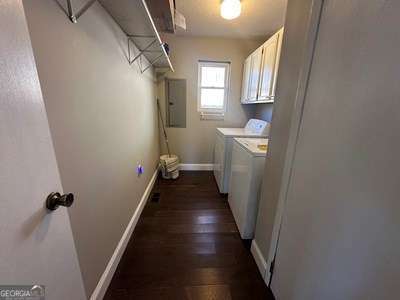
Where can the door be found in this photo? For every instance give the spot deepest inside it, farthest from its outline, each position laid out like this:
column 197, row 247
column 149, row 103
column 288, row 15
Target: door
column 255, row 69
column 37, row 247
column 340, row 231
column 268, row 68
column 176, row 103
column 246, row 79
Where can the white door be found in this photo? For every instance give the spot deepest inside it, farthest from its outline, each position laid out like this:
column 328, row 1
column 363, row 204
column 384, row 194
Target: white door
column 37, row 247
column 246, row 79
column 269, row 58
column 255, row 69
column 340, row 231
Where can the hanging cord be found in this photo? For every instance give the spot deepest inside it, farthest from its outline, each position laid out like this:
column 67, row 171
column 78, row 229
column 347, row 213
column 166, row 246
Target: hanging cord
column 162, row 123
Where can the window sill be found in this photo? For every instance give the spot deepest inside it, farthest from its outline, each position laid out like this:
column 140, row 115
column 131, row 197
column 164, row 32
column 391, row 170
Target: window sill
column 212, row 116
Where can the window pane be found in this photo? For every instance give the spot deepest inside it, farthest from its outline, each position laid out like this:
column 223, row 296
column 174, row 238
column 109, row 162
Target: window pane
column 213, row 76
column 212, row 98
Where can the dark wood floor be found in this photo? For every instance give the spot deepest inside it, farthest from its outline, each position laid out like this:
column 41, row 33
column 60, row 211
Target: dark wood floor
column 186, row 246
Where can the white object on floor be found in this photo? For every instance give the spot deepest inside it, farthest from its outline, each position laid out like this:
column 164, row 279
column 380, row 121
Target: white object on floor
column 246, row 176
column 169, row 166
column 223, row 148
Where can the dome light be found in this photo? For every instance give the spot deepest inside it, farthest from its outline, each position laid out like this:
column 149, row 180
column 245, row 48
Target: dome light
column 230, row 9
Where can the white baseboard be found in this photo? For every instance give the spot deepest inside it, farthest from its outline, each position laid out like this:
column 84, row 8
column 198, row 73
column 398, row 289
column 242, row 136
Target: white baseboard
column 105, row 279
column 260, row 260
column 196, row 167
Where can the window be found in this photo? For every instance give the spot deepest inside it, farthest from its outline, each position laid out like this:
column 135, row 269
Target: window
column 213, row 86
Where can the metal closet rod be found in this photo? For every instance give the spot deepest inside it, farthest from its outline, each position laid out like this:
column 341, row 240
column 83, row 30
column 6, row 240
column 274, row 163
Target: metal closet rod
column 142, row 36
column 74, row 17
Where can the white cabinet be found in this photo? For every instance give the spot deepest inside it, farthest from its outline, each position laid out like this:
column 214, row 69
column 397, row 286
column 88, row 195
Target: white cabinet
column 255, row 72
column 265, row 89
column 260, row 71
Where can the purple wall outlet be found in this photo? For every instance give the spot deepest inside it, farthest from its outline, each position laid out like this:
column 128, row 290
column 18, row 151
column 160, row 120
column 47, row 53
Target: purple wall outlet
column 139, row 169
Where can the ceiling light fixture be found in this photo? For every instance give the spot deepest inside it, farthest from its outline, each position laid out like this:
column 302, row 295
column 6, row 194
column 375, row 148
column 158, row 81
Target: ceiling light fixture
column 230, row 9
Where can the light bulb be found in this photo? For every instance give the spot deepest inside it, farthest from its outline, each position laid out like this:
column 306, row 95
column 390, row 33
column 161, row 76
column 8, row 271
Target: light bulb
column 230, row 9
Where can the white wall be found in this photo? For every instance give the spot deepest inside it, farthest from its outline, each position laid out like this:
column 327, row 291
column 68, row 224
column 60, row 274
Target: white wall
column 195, row 143
column 340, row 232
column 264, row 111
column 103, row 121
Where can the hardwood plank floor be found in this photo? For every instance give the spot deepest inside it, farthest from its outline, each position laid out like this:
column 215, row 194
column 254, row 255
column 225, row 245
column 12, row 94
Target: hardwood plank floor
column 186, row 246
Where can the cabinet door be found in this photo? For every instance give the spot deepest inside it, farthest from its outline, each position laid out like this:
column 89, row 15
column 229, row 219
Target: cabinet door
column 279, row 35
column 268, row 69
column 246, row 79
column 255, row 70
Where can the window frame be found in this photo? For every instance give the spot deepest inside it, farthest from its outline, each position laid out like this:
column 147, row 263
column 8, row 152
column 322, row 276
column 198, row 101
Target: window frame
column 227, row 66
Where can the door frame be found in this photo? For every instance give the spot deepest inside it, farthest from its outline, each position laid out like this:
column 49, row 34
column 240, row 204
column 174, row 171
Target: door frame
column 296, row 121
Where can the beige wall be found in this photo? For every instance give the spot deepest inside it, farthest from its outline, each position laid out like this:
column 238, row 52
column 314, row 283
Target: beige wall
column 264, row 111
column 195, row 143
column 102, row 119
column 289, row 72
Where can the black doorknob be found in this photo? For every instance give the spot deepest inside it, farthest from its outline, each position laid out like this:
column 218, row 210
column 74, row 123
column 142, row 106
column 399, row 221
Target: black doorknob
column 54, row 200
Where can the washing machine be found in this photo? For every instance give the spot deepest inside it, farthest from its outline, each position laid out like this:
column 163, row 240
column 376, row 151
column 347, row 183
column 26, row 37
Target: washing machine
column 223, row 148
column 248, row 161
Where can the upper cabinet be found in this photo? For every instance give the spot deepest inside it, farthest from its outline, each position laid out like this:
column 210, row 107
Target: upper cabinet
column 260, row 71
column 268, row 67
column 255, row 73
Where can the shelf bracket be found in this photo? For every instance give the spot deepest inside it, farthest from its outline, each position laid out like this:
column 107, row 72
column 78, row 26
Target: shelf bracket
column 75, row 16
column 152, row 63
column 141, row 51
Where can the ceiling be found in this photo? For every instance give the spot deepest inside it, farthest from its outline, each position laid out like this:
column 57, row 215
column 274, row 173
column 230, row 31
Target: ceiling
column 259, row 18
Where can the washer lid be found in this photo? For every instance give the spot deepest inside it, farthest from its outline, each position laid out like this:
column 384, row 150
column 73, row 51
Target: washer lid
column 252, row 145
column 257, row 126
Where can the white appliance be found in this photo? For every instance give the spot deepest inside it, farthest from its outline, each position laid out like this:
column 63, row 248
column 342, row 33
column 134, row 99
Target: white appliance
column 223, row 148
column 247, row 170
